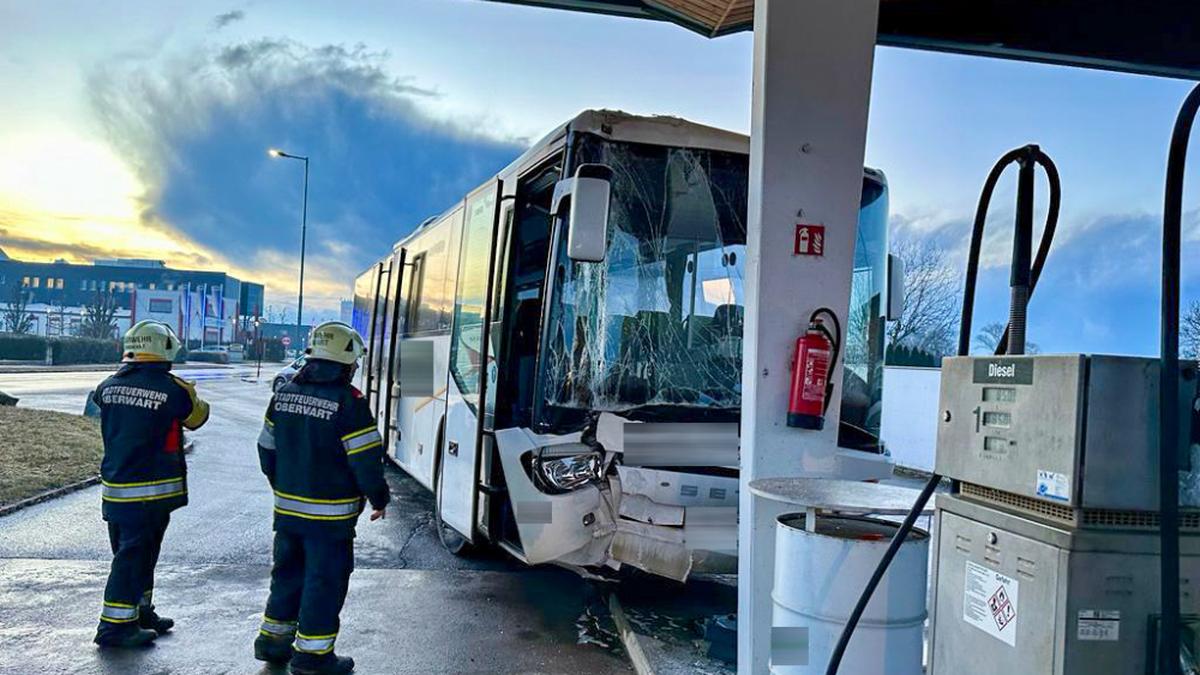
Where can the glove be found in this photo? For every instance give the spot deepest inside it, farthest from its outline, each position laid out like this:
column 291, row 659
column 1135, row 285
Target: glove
column 200, row 410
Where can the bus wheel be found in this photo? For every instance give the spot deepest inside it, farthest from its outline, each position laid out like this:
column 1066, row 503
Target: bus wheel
column 451, row 540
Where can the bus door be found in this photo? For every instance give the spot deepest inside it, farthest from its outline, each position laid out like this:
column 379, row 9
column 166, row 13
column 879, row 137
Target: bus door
column 472, row 362
column 372, row 339
column 380, row 344
column 388, row 393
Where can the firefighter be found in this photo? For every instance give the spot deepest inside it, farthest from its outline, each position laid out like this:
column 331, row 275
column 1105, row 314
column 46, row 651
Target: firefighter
column 323, row 456
column 143, row 412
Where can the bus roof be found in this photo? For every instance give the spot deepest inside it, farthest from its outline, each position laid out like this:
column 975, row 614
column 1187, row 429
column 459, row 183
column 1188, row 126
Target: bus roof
column 650, row 129
column 619, row 126
column 622, row 126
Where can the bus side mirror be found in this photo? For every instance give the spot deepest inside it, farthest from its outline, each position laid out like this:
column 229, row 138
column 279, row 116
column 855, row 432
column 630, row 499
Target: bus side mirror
column 586, row 197
column 895, row 288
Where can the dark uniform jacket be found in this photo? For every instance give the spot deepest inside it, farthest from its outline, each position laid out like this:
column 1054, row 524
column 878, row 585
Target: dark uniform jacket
column 322, row 453
column 143, row 411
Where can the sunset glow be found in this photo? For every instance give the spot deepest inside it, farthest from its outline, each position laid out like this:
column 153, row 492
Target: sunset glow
column 64, row 196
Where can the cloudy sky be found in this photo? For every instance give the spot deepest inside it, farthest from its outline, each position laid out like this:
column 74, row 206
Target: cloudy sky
column 141, row 131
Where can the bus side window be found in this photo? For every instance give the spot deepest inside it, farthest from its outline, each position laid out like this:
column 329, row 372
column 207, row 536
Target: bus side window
column 412, row 293
column 468, row 353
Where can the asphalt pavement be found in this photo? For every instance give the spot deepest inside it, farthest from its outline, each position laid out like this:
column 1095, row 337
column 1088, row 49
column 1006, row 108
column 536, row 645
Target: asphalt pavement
column 412, row 607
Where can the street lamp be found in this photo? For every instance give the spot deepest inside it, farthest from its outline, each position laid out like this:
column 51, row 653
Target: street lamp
column 275, row 152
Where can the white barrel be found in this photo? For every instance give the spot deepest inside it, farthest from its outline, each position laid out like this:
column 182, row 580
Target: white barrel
column 818, row 579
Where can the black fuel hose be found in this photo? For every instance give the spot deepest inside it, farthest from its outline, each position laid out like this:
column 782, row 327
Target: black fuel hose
column 835, row 342
column 1039, row 261
column 1029, row 153
column 1168, row 389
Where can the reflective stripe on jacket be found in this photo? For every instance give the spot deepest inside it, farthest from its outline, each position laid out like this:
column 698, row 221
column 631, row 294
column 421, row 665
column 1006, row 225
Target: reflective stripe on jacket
column 143, row 412
column 318, row 509
column 322, row 453
column 143, row 492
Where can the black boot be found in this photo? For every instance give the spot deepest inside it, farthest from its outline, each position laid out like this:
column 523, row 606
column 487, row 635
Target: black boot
column 321, row 664
column 273, row 649
column 150, row 620
column 124, row 638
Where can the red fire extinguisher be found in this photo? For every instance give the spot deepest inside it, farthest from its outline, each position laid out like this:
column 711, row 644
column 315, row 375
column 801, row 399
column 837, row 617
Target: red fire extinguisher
column 815, row 357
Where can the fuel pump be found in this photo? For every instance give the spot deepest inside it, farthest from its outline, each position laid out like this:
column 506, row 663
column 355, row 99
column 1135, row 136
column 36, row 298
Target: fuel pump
column 1023, row 281
column 1062, row 546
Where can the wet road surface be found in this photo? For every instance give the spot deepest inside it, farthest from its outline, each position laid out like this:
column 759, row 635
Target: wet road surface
column 412, row 608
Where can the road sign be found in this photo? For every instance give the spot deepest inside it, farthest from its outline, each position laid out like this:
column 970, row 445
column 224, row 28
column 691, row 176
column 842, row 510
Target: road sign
column 287, row 341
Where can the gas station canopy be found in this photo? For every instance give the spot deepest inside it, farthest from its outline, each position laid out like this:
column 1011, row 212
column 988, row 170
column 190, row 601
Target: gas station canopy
column 808, row 140
column 1154, row 37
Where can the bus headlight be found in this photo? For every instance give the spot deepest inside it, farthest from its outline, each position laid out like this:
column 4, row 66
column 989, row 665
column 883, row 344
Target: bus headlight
column 563, row 474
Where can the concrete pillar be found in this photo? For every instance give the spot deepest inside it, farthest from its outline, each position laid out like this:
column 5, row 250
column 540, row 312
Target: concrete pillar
column 812, row 85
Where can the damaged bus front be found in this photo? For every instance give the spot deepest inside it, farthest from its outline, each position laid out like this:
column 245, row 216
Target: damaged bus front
column 593, row 378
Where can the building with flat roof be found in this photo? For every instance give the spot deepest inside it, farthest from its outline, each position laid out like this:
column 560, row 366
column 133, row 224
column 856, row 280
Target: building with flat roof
column 202, row 306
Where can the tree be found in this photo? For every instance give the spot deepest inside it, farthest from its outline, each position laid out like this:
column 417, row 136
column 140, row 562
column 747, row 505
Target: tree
column 988, row 338
column 17, row 318
column 56, row 317
column 858, row 332
column 929, row 319
column 274, row 314
column 99, row 317
column 1189, row 332
column 901, row 355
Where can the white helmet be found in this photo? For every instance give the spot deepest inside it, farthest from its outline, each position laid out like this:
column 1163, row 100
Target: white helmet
column 335, row 341
column 149, row 341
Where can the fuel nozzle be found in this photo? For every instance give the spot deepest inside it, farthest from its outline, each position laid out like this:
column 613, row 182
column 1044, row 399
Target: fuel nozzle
column 1020, row 277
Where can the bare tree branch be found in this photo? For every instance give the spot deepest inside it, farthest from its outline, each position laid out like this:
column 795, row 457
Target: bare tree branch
column 988, row 338
column 17, row 318
column 931, row 299
column 99, row 317
column 1189, row 331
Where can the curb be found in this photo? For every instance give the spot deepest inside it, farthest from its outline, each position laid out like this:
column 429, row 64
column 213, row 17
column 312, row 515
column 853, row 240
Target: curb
column 633, row 645
column 188, row 448
column 48, row 495
column 10, row 368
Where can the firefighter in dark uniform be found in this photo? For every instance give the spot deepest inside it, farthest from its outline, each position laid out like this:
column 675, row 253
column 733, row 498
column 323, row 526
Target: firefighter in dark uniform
column 143, row 412
column 323, row 455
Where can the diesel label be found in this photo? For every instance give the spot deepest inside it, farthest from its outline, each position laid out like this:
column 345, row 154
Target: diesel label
column 1003, row 371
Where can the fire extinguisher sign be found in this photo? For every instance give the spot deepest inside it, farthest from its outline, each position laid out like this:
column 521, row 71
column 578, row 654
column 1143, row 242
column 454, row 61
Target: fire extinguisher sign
column 810, row 240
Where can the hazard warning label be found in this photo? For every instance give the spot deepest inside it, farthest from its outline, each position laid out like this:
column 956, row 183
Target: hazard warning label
column 990, row 602
column 1002, row 608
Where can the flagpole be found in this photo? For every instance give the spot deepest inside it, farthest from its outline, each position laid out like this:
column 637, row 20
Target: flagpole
column 203, row 313
column 187, row 300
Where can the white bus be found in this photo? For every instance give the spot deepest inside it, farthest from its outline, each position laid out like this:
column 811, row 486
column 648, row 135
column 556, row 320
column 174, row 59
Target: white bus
column 558, row 356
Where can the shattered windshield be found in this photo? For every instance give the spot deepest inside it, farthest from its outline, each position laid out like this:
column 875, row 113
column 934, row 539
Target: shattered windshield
column 654, row 331
column 659, row 321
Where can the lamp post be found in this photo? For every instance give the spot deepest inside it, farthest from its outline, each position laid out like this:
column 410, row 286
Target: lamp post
column 275, row 152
